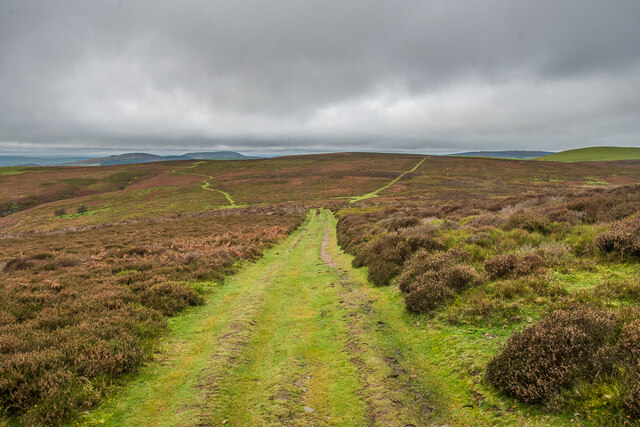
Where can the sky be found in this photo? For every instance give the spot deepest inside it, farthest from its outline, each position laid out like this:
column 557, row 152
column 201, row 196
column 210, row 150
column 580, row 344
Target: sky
column 288, row 76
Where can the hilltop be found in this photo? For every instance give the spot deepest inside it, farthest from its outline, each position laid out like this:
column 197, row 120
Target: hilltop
column 37, row 161
column 132, row 158
column 594, row 154
column 509, row 154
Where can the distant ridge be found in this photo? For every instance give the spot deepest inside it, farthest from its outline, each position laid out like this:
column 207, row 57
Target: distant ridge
column 512, row 154
column 218, row 155
column 36, row 161
column 594, row 154
column 131, row 158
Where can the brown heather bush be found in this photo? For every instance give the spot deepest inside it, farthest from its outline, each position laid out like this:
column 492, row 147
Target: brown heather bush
column 501, row 265
column 384, row 257
column 624, row 290
column 80, row 309
column 395, row 223
column 169, row 298
column 423, row 261
column 433, row 288
column 511, row 265
column 606, row 206
column 431, row 279
column 632, row 400
column 533, row 222
column 426, row 293
column 538, row 361
column 623, row 237
column 19, row 263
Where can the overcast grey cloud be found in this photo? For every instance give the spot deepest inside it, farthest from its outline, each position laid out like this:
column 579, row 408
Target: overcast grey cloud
column 295, row 75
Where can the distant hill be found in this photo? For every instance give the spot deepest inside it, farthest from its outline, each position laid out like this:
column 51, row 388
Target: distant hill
column 513, row 154
column 36, row 161
column 130, row 158
column 594, row 154
column 218, row 155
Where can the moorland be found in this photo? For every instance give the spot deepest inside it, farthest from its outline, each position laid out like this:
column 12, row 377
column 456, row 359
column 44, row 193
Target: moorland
column 333, row 289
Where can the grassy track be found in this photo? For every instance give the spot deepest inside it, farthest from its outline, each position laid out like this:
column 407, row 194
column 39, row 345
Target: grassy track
column 393, row 181
column 207, row 186
column 206, row 183
column 298, row 338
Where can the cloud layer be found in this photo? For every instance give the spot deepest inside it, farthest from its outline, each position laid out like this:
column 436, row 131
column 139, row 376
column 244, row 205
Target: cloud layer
column 330, row 75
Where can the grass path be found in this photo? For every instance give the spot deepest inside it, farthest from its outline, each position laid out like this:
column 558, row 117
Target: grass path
column 290, row 339
column 393, row 181
column 207, row 186
column 206, row 183
column 301, row 338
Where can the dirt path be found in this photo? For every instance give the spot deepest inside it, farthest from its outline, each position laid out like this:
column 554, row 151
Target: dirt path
column 393, row 181
column 293, row 339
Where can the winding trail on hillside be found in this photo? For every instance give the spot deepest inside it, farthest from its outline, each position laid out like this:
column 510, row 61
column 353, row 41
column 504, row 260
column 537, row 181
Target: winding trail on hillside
column 393, row 181
column 297, row 338
column 206, row 183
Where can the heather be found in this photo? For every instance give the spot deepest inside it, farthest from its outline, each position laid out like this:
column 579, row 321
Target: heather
column 79, row 310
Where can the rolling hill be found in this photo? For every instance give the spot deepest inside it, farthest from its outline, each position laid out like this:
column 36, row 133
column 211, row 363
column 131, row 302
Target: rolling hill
column 254, row 263
column 37, row 161
column 132, row 158
column 594, row 154
column 508, row 154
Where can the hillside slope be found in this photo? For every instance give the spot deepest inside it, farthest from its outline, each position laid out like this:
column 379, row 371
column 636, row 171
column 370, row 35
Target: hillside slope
column 511, row 154
column 594, row 154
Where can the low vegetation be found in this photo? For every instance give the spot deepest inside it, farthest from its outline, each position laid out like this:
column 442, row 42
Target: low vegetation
column 518, row 281
column 79, row 310
column 594, row 154
column 505, row 263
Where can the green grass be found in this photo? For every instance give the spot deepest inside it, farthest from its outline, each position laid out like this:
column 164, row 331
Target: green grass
column 296, row 339
column 393, row 181
column 594, row 154
column 207, row 186
column 12, row 170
